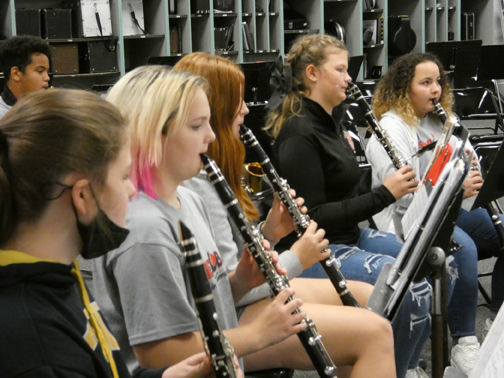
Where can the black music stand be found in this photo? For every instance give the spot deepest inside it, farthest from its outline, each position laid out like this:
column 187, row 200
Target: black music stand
column 354, row 66
column 462, row 58
column 257, row 77
column 493, row 186
column 164, row 60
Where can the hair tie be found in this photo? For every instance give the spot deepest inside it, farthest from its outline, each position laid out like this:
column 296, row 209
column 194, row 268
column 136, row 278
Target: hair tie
column 280, row 83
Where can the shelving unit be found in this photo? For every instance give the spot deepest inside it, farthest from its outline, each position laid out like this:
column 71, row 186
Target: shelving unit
column 432, row 20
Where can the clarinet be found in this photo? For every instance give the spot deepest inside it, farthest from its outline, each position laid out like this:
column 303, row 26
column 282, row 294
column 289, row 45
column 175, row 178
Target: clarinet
column 216, row 344
column 491, row 207
column 373, row 123
column 309, row 337
column 331, row 265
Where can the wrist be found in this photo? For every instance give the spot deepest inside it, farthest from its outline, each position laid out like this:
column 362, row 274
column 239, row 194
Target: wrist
column 266, row 231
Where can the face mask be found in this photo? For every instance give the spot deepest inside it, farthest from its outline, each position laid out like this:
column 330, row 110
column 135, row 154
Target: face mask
column 101, row 236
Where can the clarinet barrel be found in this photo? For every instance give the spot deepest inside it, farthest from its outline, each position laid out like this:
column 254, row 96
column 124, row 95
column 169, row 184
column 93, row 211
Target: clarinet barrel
column 331, row 265
column 373, row 123
column 216, row 344
column 310, row 338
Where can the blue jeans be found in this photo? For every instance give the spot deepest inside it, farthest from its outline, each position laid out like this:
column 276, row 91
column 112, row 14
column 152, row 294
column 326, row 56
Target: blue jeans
column 478, row 225
column 364, row 262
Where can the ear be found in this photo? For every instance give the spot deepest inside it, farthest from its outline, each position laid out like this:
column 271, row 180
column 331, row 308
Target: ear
column 15, row 73
column 84, row 201
column 311, row 73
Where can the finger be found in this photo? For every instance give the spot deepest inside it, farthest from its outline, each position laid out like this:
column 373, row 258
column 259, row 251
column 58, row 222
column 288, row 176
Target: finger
column 284, row 294
column 299, row 201
column 292, row 192
column 266, row 244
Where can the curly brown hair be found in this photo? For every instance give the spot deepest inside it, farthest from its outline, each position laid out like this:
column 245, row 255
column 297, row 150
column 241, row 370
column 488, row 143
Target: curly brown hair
column 311, row 49
column 393, row 90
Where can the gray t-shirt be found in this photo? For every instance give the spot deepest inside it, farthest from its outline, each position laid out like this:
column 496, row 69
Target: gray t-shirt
column 142, row 287
column 229, row 240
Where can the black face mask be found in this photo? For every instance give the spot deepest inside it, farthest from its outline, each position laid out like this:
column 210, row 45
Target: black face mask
column 101, row 236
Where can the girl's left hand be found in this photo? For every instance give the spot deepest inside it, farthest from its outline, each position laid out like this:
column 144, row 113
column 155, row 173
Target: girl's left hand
column 248, row 272
column 279, row 222
column 473, row 184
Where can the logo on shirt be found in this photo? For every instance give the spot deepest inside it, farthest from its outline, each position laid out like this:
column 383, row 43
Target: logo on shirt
column 213, row 263
column 422, row 144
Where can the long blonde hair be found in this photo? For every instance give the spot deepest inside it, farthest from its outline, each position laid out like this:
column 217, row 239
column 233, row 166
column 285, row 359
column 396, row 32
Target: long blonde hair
column 156, row 102
column 312, row 49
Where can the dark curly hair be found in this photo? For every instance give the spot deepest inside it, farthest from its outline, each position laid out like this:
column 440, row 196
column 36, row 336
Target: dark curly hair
column 393, row 90
column 18, row 51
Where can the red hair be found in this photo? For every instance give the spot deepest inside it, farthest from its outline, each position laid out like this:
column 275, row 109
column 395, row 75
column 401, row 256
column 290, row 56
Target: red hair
column 226, row 93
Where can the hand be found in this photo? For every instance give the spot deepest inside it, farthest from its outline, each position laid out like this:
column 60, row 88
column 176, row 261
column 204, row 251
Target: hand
column 196, row 366
column 310, row 248
column 276, row 322
column 248, row 274
column 279, row 222
column 349, row 139
column 398, row 182
column 474, row 160
column 473, row 184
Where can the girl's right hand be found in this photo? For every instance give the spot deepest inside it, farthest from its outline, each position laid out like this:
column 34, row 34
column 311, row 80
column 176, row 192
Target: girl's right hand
column 277, row 321
column 196, row 366
column 310, row 248
column 399, row 184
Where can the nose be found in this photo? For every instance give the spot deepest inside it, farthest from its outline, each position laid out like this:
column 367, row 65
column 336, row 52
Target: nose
column 46, row 76
column 210, row 135
column 244, row 109
column 131, row 189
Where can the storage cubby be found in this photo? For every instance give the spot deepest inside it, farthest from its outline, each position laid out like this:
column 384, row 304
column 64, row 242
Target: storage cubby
column 173, row 28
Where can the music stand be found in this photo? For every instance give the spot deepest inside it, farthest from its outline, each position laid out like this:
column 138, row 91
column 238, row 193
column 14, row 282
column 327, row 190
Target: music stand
column 462, row 58
column 257, row 76
column 164, row 60
column 493, row 186
column 354, row 66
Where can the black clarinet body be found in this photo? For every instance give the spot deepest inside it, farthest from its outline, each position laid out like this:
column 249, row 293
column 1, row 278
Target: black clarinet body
column 331, row 265
column 309, row 337
column 216, row 344
column 491, row 207
column 373, row 123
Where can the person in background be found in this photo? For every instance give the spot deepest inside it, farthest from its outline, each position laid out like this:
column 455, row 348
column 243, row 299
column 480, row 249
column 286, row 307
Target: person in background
column 24, row 60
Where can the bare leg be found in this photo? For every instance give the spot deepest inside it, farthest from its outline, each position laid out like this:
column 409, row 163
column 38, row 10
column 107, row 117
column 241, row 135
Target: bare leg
column 353, row 337
column 322, row 291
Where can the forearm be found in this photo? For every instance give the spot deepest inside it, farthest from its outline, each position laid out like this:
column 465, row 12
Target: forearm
column 167, row 352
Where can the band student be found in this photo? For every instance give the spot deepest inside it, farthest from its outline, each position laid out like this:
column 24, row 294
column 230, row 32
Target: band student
column 55, row 204
column 24, row 60
column 152, row 314
column 403, row 104
column 316, row 159
column 228, row 110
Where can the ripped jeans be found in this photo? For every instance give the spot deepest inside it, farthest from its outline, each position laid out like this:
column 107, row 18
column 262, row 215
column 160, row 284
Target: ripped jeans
column 364, row 262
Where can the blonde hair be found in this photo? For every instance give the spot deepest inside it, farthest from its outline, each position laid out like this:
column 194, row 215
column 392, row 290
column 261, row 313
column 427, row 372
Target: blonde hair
column 312, row 49
column 156, row 102
column 394, row 88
